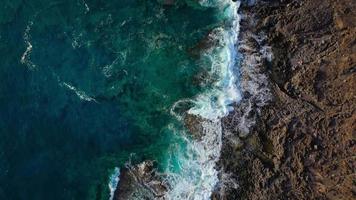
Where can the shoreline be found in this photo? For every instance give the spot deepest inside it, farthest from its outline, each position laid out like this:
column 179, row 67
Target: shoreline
column 202, row 151
column 292, row 134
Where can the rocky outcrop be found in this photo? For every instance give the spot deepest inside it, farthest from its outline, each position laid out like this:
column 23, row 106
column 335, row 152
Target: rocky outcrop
column 140, row 182
column 302, row 144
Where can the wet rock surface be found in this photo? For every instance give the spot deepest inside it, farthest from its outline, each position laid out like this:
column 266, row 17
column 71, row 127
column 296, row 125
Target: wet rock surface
column 140, row 182
column 301, row 142
column 194, row 125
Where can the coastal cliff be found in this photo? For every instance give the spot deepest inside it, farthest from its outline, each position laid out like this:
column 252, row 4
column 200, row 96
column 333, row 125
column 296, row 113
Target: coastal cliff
column 301, row 141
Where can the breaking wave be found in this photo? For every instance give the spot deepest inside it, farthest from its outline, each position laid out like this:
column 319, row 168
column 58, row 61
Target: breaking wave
column 114, row 180
column 191, row 171
column 196, row 160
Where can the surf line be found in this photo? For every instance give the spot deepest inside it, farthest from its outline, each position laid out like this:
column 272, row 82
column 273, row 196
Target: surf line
column 198, row 175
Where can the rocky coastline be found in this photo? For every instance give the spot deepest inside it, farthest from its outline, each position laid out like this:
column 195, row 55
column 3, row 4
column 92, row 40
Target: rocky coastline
column 293, row 134
column 301, row 142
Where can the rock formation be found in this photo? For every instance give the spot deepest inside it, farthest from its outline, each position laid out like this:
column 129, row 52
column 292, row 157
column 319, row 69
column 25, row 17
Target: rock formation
column 302, row 144
column 140, row 182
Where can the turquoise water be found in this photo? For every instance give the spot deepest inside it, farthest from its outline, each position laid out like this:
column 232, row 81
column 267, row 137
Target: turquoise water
column 89, row 85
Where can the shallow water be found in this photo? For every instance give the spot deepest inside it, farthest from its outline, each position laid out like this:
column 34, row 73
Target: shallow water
column 89, row 85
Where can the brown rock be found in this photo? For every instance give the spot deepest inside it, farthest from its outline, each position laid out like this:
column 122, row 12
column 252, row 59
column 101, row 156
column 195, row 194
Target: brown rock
column 304, row 141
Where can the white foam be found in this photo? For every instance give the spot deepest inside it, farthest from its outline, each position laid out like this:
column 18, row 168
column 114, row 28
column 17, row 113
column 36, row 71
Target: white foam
column 81, row 94
column 216, row 103
column 197, row 160
column 255, row 82
column 25, row 58
column 120, row 59
column 113, row 181
column 213, row 3
column 178, row 104
column 191, row 172
column 87, row 9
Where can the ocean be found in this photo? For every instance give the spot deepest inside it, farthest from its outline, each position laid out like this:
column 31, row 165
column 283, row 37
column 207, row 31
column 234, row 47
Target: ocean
column 89, row 86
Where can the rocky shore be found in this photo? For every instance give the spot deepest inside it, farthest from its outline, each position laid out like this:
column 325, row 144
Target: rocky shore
column 293, row 134
column 298, row 143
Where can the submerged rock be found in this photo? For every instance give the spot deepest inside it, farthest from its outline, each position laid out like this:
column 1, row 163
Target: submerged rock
column 168, row 2
column 209, row 41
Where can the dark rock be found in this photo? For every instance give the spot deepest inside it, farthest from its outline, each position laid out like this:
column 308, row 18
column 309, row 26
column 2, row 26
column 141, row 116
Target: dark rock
column 140, row 182
column 206, row 43
column 168, row 2
column 194, row 125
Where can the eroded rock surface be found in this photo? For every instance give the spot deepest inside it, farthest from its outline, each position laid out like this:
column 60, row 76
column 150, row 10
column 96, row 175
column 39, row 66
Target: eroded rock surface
column 140, row 182
column 302, row 145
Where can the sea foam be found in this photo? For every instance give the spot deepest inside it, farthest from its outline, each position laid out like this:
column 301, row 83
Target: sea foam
column 198, row 176
column 192, row 173
column 114, row 180
column 216, row 102
column 25, row 58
